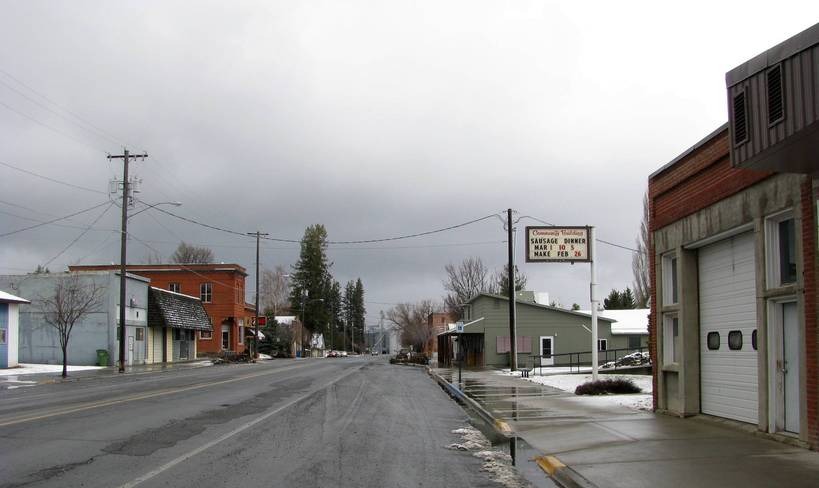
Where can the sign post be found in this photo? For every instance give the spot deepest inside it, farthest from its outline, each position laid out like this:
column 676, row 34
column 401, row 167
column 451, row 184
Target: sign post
column 459, row 328
column 573, row 244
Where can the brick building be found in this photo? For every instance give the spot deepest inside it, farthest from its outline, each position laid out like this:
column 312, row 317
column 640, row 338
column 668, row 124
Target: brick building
column 221, row 288
column 733, row 255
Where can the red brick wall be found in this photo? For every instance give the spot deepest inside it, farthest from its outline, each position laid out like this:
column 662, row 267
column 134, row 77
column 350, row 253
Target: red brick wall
column 701, row 179
column 811, row 336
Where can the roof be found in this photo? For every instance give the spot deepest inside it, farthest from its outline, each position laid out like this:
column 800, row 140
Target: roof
column 159, row 268
column 705, row 140
column 9, row 298
column 630, row 321
column 285, row 319
column 176, row 310
column 782, row 51
column 537, row 305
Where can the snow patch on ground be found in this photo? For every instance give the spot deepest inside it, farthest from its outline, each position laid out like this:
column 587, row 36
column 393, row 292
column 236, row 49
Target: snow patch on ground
column 498, row 464
column 568, row 382
column 28, row 368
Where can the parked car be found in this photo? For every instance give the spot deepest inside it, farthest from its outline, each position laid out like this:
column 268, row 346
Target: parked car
column 343, row 354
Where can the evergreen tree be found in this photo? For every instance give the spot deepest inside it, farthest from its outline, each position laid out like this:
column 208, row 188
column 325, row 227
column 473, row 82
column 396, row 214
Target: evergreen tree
column 502, row 280
column 359, row 311
column 613, row 301
column 310, row 278
column 335, row 307
column 347, row 306
column 627, row 299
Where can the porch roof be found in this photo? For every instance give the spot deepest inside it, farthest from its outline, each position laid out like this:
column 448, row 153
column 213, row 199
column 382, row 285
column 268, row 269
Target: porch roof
column 176, row 310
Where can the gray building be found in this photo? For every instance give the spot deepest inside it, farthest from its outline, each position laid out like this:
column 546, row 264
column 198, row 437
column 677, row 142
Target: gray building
column 39, row 342
column 542, row 330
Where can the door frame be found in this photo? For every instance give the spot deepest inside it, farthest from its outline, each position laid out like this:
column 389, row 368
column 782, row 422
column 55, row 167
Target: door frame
column 776, row 380
column 544, row 361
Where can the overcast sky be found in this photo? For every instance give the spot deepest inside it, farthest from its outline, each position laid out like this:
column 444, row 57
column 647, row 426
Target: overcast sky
column 375, row 118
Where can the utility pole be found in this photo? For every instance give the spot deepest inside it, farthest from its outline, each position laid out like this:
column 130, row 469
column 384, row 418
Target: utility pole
column 382, row 333
column 513, row 342
column 122, row 252
column 256, row 316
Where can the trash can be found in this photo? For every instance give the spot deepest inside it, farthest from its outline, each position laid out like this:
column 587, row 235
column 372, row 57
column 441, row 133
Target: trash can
column 102, row 357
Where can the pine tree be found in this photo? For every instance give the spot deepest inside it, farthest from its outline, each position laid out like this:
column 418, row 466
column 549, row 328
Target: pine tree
column 359, row 310
column 309, row 280
column 347, row 305
column 627, row 299
column 502, row 280
column 613, row 301
column 336, row 309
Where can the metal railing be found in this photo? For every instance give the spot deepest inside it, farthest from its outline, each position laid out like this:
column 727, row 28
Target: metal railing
column 582, row 359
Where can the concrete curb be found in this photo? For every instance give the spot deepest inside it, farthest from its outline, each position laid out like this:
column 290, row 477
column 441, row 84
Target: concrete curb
column 500, row 426
column 551, row 465
column 562, row 474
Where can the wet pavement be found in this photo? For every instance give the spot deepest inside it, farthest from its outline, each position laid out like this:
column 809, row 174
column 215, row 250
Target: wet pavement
column 607, row 445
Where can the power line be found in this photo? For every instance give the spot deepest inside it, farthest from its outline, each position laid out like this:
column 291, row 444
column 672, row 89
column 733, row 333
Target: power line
column 85, row 231
column 54, row 220
column 53, row 129
column 48, row 178
column 96, row 131
column 597, row 239
column 362, row 241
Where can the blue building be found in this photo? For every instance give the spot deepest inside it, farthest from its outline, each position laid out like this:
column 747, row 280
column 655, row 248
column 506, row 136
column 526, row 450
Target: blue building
column 9, row 324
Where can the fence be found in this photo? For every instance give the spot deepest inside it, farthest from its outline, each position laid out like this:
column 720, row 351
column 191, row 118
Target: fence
column 610, row 359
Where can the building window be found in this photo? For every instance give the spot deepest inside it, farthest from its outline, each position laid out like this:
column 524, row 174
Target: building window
column 735, row 340
column 602, row 344
column 206, row 292
column 177, row 336
column 670, row 290
column 781, row 250
column 241, row 331
column 671, row 335
column 3, row 336
column 634, row 342
column 713, row 341
column 175, row 287
column 753, row 339
column 205, row 335
column 140, row 334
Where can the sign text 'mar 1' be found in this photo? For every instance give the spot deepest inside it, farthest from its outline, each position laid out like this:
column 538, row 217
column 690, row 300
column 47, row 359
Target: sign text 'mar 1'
column 557, row 244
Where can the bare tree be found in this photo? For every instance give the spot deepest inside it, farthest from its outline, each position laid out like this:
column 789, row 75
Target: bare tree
column 640, row 262
column 463, row 282
column 411, row 321
column 189, row 254
column 71, row 301
column 274, row 290
column 152, row 256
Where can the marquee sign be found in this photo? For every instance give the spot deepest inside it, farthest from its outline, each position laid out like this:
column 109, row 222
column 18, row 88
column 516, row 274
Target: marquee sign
column 557, row 244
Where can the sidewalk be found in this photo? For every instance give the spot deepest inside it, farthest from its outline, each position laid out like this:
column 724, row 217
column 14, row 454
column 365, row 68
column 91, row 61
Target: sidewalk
column 35, row 374
column 607, row 445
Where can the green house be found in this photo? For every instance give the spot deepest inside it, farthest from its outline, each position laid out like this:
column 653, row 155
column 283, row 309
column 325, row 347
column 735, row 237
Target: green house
column 544, row 334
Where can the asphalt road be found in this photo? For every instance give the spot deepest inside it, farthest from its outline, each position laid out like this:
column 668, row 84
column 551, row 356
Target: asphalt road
column 327, row 422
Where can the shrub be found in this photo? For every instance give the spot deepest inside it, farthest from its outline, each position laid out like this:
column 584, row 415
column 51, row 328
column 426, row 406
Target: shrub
column 608, row 385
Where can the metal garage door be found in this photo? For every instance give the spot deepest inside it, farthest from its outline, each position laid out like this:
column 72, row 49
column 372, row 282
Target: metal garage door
column 727, row 287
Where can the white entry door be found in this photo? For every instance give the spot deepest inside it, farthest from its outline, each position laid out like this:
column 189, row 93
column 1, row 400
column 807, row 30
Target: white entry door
column 547, row 350
column 784, row 368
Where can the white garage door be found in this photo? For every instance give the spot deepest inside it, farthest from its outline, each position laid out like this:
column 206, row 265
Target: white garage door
column 728, row 357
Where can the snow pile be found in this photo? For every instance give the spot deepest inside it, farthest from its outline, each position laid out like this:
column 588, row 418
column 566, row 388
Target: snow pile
column 472, row 440
column 568, row 382
column 498, row 464
column 27, row 368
